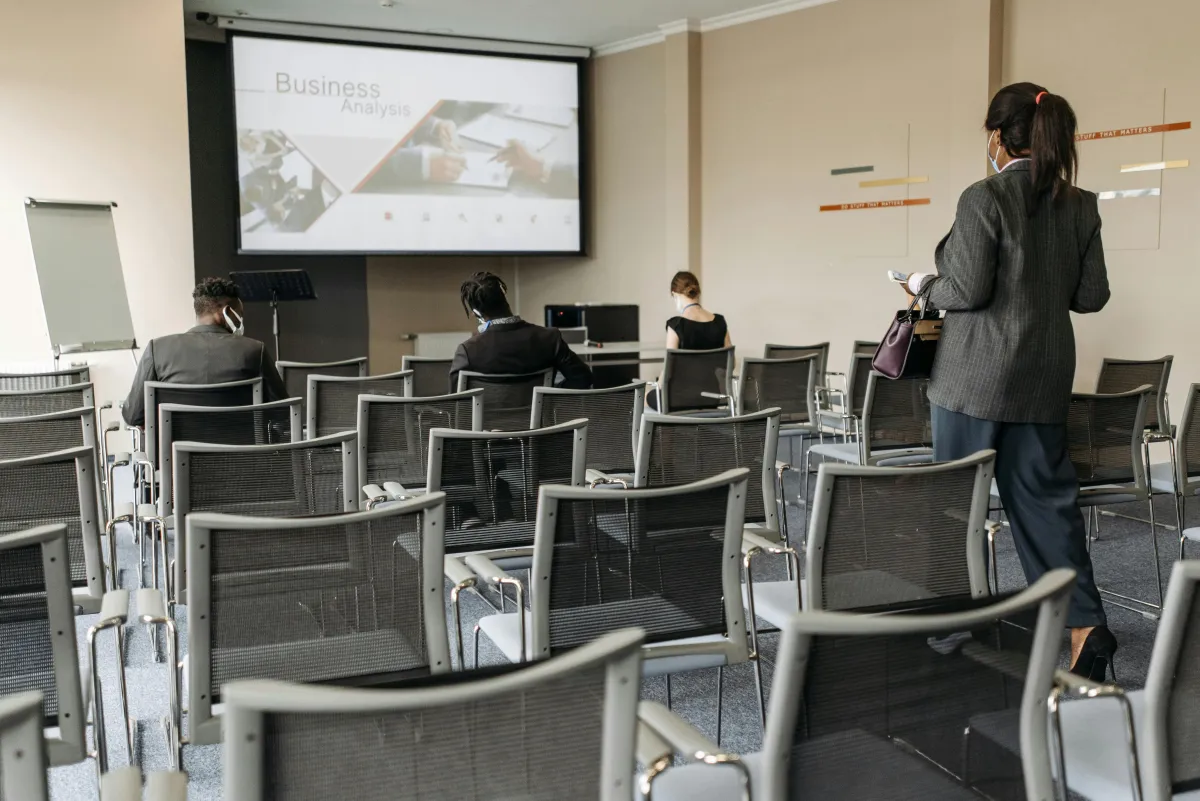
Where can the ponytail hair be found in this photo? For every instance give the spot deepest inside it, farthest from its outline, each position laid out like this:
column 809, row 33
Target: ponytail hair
column 1034, row 122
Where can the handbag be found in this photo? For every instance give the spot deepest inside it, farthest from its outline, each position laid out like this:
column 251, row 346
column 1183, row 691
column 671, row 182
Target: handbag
column 910, row 346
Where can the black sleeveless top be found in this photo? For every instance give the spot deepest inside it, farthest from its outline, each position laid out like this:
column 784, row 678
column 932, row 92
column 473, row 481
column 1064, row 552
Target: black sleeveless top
column 699, row 336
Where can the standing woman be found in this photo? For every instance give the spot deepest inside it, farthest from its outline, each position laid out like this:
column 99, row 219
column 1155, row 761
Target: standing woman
column 1024, row 252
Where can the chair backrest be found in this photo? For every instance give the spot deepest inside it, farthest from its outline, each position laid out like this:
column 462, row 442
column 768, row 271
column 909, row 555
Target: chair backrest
column 22, row 747
column 491, row 480
column 860, row 702
column 37, row 636
column 1188, row 443
column 1104, row 436
column 333, row 401
column 885, row 535
column 687, row 374
column 1121, row 375
column 43, row 433
column 665, row 560
column 295, row 374
column 682, row 450
column 293, row 479
column 897, row 414
column 865, row 348
column 393, row 434
column 46, row 380
column 354, row 597
column 231, row 393
column 614, row 416
column 786, row 384
column 59, row 488
column 30, row 402
column 431, row 377
column 1172, row 761
column 820, row 350
column 507, row 398
column 257, row 424
column 437, row 741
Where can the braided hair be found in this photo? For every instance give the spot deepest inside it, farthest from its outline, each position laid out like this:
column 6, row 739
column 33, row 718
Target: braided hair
column 487, row 294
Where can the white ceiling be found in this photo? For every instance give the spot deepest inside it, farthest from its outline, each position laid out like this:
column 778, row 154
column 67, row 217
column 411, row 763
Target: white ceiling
column 572, row 22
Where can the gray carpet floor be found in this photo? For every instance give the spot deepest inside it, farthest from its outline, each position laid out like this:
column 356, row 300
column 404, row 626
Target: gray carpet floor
column 1122, row 558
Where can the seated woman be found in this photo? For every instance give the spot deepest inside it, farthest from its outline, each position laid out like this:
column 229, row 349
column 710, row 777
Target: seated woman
column 694, row 328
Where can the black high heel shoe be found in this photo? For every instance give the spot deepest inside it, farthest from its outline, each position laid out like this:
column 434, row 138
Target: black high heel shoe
column 1096, row 658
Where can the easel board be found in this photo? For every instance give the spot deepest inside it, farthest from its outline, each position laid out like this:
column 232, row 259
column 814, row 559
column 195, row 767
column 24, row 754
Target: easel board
column 79, row 273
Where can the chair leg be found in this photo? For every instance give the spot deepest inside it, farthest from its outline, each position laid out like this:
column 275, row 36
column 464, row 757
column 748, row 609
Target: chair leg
column 720, row 688
column 667, row 676
column 1157, row 561
column 758, row 687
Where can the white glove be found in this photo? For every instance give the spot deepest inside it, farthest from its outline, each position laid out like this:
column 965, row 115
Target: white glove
column 914, row 282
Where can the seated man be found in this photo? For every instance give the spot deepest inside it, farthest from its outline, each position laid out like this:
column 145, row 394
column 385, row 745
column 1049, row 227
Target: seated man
column 507, row 344
column 213, row 352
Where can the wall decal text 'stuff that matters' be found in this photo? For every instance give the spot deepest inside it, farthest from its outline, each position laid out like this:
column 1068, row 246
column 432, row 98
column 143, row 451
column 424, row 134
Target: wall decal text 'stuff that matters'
column 877, row 204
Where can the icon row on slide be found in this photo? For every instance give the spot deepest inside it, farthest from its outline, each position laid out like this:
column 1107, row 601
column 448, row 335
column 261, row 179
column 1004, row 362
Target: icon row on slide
column 496, row 217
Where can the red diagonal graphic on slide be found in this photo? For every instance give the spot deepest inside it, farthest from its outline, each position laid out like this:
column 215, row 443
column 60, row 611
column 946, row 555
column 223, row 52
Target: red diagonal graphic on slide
column 399, row 144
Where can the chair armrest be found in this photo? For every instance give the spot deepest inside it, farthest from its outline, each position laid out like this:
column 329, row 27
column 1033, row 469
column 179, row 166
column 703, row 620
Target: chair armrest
column 150, row 605
column 114, row 608
column 686, row 741
column 485, row 568
column 396, row 490
column 111, row 427
column 715, row 396
column 1067, row 683
column 651, row 748
column 597, row 478
column 122, row 784
column 752, row 541
column 457, row 572
column 121, row 459
column 375, row 495
column 166, row 785
column 147, row 511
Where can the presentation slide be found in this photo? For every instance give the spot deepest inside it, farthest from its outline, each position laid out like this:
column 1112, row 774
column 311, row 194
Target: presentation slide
column 357, row 148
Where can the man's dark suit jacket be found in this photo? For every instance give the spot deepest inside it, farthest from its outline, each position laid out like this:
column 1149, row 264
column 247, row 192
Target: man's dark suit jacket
column 206, row 354
column 520, row 347
column 1008, row 282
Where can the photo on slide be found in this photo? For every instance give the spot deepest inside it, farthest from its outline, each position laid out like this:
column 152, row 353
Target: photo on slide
column 279, row 187
column 473, row 149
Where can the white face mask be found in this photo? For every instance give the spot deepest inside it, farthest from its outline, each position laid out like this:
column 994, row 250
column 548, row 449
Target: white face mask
column 483, row 324
column 992, row 158
column 233, row 321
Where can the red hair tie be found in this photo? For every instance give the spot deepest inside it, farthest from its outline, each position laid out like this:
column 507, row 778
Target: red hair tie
column 1037, row 101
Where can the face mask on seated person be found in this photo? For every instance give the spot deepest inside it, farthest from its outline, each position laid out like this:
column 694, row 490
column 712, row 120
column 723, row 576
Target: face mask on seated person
column 233, row 321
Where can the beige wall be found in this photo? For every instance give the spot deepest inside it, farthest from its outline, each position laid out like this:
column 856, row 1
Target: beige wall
column 900, row 86
column 412, row 294
column 93, row 107
column 1114, row 61
column 628, row 200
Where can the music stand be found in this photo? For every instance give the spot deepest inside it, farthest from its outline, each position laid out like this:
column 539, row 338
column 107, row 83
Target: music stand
column 273, row 286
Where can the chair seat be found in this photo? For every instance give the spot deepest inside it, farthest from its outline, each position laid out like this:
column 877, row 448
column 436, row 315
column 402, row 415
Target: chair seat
column 1162, row 479
column 774, row 601
column 839, row 451
column 504, row 632
column 848, row 452
column 1102, row 495
column 1192, row 534
column 821, row 769
column 1094, row 744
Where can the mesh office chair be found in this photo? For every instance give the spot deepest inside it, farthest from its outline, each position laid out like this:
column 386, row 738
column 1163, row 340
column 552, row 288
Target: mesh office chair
column 1165, row 715
column 896, row 426
column 294, row 479
column 614, row 416
column 687, row 376
column 30, row 402
column 837, row 416
column 507, row 398
column 888, row 706
column 58, row 488
column 22, row 750
column 681, row 450
column 1122, row 375
column 295, row 374
column 820, row 350
column 785, row 384
column 37, row 643
column 573, row 721
column 881, row 535
column 1181, row 474
column 46, row 380
column 258, row 424
column 333, row 402
column 350, row 599
column 393, row 439
column 664, row 560
column 55, row 431
column 431, row 377
column 1105, row 442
